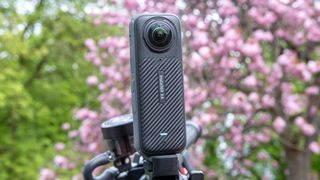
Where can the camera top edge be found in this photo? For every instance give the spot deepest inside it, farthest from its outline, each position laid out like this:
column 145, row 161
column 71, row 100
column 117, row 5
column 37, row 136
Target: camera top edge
column 155, row 15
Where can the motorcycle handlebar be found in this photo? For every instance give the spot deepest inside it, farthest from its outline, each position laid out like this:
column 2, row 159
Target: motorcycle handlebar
column 99, row 160
column 193, row 133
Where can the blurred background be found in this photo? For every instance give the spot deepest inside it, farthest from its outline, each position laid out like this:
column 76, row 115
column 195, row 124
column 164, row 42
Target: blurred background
column 252, row 79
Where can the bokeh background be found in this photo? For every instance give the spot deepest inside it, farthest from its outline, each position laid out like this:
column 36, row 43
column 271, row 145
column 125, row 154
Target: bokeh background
column 252, row 79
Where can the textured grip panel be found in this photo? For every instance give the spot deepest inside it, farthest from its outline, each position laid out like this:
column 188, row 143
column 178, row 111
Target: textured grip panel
column 162, row 121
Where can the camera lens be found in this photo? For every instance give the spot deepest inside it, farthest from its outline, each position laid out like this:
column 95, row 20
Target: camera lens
column 159, row 35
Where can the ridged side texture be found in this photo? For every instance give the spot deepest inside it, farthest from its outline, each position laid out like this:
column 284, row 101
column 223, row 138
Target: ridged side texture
column 166, row 118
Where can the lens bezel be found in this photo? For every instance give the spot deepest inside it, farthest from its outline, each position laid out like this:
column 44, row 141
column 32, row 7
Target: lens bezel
column 149, row 28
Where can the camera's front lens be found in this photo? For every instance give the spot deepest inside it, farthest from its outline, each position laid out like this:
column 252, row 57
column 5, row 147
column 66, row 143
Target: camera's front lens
column 159, row 34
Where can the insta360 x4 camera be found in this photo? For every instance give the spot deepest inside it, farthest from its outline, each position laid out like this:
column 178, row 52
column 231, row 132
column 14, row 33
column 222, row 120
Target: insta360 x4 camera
column 157, row 84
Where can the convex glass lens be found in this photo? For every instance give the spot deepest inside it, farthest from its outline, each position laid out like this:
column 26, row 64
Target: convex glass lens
column 159, row 35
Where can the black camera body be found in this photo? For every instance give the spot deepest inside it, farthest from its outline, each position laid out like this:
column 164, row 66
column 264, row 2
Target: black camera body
column 157, row 84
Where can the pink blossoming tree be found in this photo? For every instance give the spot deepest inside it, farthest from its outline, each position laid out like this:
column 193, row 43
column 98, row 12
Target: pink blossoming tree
column 252, row 77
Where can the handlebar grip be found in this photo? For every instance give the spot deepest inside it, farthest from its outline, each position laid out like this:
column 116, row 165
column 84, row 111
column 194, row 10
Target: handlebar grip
column 99, row 160
column 108, row 174
column 193, row 133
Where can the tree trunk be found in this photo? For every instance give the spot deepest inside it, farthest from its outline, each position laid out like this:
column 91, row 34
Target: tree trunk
column 298, row 163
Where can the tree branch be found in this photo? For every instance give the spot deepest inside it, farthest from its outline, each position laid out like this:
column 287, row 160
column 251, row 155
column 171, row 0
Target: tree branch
column 31, row 20
column 36, row 72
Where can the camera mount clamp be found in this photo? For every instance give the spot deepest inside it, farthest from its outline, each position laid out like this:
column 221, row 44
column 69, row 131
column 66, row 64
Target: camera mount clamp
column 167, row 167
column 118, row 134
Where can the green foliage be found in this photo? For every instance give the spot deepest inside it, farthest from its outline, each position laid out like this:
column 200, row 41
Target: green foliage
column 315, row 163
column 42, row 79
column 212, row 161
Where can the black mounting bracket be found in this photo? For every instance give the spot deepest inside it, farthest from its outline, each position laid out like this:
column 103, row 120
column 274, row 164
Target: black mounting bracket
column 162, row 167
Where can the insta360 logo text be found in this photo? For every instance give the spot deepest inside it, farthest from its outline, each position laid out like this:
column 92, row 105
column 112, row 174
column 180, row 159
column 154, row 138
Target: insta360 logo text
column 162, row 89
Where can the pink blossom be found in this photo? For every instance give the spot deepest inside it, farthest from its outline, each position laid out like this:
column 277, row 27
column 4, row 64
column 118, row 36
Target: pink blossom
column 97, row 61
column 275, row 75
column 238, row 99
column 47, row 174
column 228, row 25
column 85, row 132
column 313, row 66
column 287, row 58
column 229, row 63
column 301, row 71
column 97, row 21
column 314, row 34
column 252, row 141
column 299, row 121
column 279, row 124
column 248, row 163
column 205, row 52
column 262, row 17
column 231, row 40
column 202, row 26
column 263, row 137
column 229, row 152
column 90, row 44
column 73, row 134
column 237, row 139
column 212, row 174
column 92, row 80
column 59, row 146
column 93, row 115
column 299, row 38
column 191, row 20
column 91, row 56
column 81, row 114
column 93, row 147
column 66, row 126
column 61, row 161
column 261, row 35
column 281, row 33
column 124, row 55
column 250, row 81
column 263, row 156
column 76, row 177
column 265, row 177
column 205, row 119
column 268, row 100
column 102, row 86
column 314, row 147
column 313, row 110
column 312, row 90
column 286, row 87
column 254, row 97
column 259, row 65
column 227, row 8
column 131, row 4
column 200, row 39
column 265, row 118
column 292, row 103
column 196, row 62
column 266, row 135
column 307, row 129
column 105, row 43
column 251, row 49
